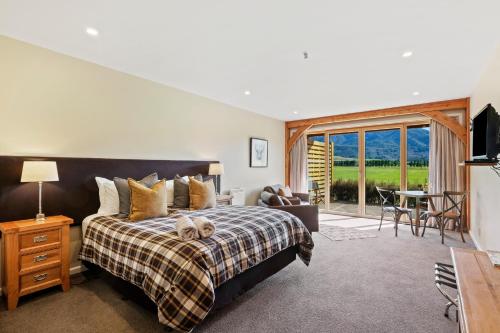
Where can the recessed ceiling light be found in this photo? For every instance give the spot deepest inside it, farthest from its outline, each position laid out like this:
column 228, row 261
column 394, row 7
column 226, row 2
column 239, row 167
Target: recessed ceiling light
column 407, row 54
column 416, row 93
column 295, row 112
column 92, row 31
column 247, row 92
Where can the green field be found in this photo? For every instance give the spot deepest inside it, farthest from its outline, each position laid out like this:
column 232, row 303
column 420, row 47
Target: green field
column 388, row 175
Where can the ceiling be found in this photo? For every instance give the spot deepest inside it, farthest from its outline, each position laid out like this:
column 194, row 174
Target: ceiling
column 221, row 48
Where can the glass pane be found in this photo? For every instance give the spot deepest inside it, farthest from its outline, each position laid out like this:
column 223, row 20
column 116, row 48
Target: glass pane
column 417, row 160
column 344, row 171
column 316, row 169
column 382, row 166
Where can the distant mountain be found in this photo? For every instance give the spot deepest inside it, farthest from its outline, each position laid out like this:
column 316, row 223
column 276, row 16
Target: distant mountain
column 383, row 145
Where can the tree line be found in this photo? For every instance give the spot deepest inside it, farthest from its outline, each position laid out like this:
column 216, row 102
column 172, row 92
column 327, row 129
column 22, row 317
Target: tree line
column 382, row 163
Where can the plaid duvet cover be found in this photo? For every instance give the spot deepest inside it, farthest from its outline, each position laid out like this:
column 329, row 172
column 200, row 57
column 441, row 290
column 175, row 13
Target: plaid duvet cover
column 180, row 276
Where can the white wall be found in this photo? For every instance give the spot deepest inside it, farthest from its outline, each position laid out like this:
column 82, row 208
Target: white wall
column 55, row 105
column 485, row 184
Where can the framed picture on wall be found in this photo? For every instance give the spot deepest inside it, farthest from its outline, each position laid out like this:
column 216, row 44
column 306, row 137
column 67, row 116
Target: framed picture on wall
column 258, row 153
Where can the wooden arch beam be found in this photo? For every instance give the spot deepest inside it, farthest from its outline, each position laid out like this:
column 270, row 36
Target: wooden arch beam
column 449, row 122
column 296, row 135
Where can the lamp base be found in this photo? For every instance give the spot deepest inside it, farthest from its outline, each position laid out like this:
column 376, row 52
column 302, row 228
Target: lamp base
column 40, row 217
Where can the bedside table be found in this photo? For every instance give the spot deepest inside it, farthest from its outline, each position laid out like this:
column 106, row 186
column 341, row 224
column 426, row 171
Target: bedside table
column 35, row 256
column 224, row 200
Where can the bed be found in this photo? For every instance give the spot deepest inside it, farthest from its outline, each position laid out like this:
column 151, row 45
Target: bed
column 181, row 277
column 251, row 243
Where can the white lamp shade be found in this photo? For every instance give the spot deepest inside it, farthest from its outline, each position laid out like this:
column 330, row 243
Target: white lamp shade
column 39, row 171
column 216, row 169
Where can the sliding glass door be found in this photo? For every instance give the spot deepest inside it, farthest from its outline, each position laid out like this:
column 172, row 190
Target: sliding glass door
column 346, row 166
column 382, row 165
column 344, row 173
column 417, row 166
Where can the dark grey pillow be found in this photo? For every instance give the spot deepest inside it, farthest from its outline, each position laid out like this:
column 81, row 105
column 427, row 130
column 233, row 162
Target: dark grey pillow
column 181, row 191
column 124, row 191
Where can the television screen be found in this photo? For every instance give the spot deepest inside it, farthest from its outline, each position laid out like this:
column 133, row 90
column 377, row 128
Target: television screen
column 479, row 135
column 485, row 131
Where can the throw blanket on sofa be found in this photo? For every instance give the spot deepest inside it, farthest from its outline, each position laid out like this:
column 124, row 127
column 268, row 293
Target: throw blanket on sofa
column 180, row 276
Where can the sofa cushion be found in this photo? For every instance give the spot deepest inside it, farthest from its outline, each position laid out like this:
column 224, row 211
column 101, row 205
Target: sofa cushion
column 275, row 200
column 265, row 196
column 285, row 191
column 273, row 188
column 293, row 200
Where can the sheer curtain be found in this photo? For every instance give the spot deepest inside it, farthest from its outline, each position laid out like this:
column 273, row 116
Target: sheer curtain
column 298, row 166
column 446, row 152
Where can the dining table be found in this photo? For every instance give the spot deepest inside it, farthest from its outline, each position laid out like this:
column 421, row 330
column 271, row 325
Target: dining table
column 419, row 196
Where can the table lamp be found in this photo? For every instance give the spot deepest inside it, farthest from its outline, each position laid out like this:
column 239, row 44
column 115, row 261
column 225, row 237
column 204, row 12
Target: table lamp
column 39, row 172
column 216, row 169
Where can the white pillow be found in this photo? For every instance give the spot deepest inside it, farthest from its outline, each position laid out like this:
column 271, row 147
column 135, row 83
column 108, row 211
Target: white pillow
column 108, row 196
column 170, row 192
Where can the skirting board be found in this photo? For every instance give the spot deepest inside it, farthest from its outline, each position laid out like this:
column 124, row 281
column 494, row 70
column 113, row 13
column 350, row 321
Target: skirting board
column 476, row 244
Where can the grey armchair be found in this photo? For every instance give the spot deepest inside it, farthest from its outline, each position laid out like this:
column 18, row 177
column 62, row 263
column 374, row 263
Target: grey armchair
column 299, row 206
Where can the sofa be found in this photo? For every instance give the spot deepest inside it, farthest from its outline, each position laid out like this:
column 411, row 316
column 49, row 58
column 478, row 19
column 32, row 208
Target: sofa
column 297, row 204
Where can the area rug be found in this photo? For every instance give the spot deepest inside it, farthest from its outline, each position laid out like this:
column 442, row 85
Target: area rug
column 335, row 233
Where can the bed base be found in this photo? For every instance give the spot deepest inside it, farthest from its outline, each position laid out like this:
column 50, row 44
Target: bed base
column 224, row 294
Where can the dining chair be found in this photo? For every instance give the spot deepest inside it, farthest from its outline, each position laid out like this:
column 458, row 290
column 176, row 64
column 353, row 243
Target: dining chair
column 453, row 205
column 444, row 276
column 388, row 205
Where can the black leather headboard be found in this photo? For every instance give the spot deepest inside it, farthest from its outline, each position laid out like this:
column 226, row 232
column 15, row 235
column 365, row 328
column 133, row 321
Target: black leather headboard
column 76, row 194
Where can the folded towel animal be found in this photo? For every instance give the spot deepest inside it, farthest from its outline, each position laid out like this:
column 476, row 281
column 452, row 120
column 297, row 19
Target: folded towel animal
column 186, row 229
column 206, row 228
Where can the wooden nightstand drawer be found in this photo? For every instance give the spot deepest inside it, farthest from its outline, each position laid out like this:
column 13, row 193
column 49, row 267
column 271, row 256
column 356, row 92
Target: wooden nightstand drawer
column 33, row 260
column 39, row 238
column 32, row 281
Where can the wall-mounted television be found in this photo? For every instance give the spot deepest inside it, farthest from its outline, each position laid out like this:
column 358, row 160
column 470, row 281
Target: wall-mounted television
column 485, row 134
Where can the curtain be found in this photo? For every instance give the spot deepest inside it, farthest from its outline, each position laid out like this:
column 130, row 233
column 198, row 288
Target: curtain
column 298, row 166
column 446, row 152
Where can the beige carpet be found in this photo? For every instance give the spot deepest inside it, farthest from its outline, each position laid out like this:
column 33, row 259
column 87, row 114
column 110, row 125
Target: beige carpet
column 383, row 284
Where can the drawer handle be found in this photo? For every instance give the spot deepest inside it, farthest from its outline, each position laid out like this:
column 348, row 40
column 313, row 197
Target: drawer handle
column 40, row 239
column 40, row 277
column 41, row 257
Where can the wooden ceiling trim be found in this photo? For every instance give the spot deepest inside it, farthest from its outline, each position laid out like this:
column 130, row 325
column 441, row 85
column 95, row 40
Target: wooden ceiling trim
column 453, row 104
column 448, row 122
column 295, row 136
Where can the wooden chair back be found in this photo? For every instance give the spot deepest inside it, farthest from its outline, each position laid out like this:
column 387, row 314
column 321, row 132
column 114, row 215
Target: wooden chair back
column 454, row 201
